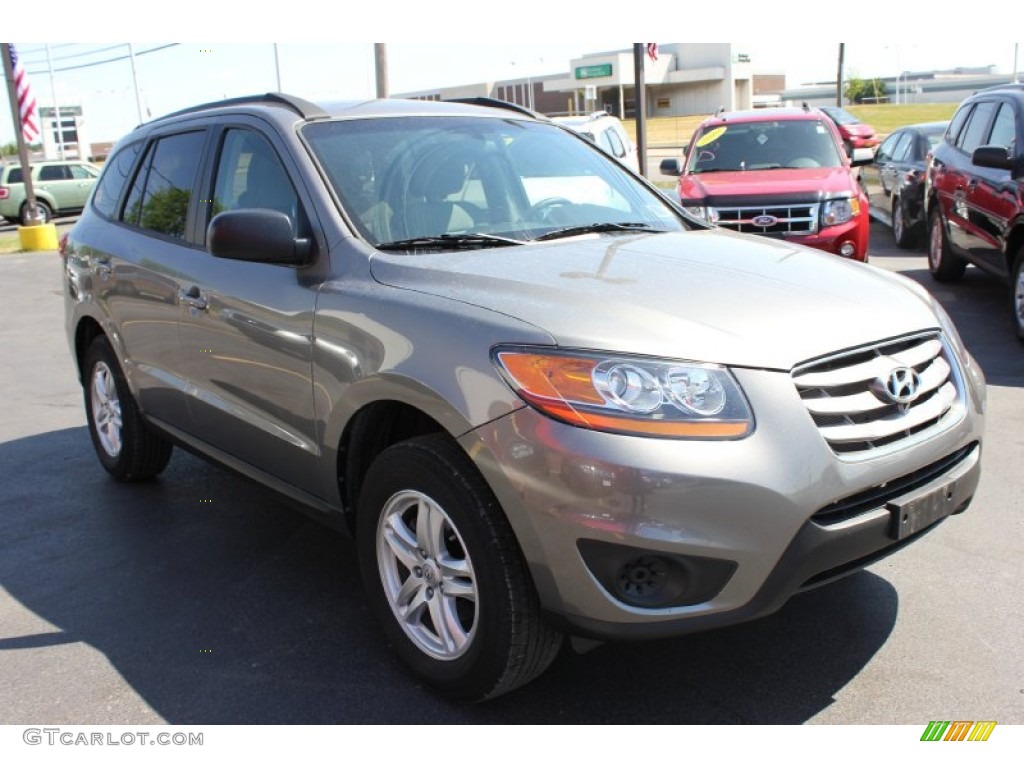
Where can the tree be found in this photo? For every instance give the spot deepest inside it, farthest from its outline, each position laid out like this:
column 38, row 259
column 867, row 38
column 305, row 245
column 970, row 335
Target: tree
column 859, row 90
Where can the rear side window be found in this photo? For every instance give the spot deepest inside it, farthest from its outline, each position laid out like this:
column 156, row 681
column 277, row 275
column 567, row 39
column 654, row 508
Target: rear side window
column 974, row 133
column 54, row 173
column 160, row 196
column 15, row 177
column 900, row 153
column 116, row 172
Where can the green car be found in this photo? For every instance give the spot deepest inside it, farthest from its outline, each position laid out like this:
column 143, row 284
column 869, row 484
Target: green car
column 61, row 187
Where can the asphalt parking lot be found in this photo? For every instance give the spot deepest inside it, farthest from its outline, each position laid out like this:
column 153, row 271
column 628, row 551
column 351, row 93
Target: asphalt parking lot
column 199, row 599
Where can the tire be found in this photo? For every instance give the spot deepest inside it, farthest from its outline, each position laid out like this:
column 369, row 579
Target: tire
column 1017, row 293
column 431, row 535
column 942, row 263
column 904, row 236
column 127, row 448
column 45, row 214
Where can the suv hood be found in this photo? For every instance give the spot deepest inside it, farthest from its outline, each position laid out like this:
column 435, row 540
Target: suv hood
column 805, row 184
column 709, row 295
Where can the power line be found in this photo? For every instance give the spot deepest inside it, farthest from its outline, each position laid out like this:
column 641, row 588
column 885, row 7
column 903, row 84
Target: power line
column 74, row 55
column 105, row 61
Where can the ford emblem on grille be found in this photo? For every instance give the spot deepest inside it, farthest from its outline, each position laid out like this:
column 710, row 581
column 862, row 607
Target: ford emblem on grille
column 901, row 385
column 764, row 220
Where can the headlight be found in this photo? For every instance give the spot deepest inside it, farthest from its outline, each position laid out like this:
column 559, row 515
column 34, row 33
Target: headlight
column 631, row 395
column 705, row 212
column 839, row 211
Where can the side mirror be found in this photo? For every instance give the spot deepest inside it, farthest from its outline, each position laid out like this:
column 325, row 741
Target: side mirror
column 671, row 167
column 993, row 157
column 256, row 234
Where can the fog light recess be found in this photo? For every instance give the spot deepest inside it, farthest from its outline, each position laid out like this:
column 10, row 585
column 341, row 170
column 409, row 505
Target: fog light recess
column 646, row 579
column 847, row 249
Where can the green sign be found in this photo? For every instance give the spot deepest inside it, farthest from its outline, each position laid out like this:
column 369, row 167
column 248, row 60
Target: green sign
column 594, row 70
column 64, row 112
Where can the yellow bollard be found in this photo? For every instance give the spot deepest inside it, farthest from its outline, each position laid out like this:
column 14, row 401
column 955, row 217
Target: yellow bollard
column 39, row 238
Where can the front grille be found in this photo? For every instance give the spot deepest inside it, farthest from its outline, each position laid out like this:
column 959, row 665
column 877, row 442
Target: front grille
column 796, row 219
column 877, row 497
column 845, row 394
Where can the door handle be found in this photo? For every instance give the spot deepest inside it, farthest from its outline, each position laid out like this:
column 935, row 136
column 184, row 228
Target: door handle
column 194, row 297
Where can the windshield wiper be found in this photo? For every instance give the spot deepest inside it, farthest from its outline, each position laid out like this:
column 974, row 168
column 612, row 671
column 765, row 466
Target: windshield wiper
column 607, row 226
column 450, row 242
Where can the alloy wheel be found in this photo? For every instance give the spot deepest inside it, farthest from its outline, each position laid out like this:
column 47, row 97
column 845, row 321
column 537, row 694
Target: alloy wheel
column 427, row 575
column 106, row 409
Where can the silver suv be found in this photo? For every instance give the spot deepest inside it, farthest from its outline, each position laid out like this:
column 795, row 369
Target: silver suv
column 542, row 399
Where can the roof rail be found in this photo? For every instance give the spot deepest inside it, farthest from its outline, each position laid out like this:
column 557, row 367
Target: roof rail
column 487, row 101
column 301, row 107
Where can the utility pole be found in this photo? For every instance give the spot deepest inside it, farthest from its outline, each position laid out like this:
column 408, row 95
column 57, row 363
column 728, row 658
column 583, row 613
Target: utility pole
column 640, row 101
column 839, row 75
column 135, row 82
column 56, row 108
column 380, row 61
column 26, row 169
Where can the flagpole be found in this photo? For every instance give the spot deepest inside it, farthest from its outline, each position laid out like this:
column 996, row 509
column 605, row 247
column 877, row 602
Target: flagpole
column 26, row 169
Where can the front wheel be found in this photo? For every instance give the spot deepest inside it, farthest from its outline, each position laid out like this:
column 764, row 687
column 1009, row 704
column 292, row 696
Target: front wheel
column 944, row 265
column 445, row 575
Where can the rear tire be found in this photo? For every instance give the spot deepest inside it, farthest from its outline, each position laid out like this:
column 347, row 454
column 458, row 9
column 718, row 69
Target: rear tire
column 942, row 263
column 45, row 214
column 905, row 237
column 127, row 448
column 1017, row 293
column 445, row 576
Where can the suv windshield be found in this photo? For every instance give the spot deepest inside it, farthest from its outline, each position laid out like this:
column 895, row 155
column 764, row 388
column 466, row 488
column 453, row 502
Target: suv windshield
column 759, row 146
column 414, row 180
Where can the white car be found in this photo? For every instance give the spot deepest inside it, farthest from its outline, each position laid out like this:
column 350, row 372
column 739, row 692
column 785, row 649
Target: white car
column 606, row 132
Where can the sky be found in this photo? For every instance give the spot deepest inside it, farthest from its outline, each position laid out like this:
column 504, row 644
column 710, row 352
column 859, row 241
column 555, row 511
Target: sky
column 331, row 61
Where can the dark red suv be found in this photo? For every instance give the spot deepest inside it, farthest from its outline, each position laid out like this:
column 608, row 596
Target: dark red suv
column 776, row 172
column 975, row 196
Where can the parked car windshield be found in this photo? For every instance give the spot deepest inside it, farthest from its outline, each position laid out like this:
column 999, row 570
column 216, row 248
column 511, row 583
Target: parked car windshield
column 405, row 178
column 763, row 145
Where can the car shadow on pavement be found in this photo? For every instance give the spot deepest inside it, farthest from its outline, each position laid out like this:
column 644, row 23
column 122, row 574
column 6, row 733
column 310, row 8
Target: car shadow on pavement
column 217, row 604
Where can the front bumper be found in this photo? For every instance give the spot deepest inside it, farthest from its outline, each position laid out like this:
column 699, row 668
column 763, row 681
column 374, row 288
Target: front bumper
column 739, row 516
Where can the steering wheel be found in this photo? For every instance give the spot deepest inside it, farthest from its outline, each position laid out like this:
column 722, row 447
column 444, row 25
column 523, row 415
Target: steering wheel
column 543, row 208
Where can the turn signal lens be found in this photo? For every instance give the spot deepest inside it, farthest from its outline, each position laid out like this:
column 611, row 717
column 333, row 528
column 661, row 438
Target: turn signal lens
column 640, row 396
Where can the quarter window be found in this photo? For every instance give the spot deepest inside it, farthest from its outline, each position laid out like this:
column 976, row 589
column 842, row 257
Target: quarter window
column 116, row 172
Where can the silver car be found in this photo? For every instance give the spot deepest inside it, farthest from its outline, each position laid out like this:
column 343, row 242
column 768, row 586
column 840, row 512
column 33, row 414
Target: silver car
column 543, row 400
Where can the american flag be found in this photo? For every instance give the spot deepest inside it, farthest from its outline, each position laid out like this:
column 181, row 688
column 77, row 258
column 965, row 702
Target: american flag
column 26, row 101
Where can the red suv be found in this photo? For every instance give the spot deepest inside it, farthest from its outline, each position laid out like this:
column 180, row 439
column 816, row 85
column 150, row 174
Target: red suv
column 776, row 172
column 974, row 193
